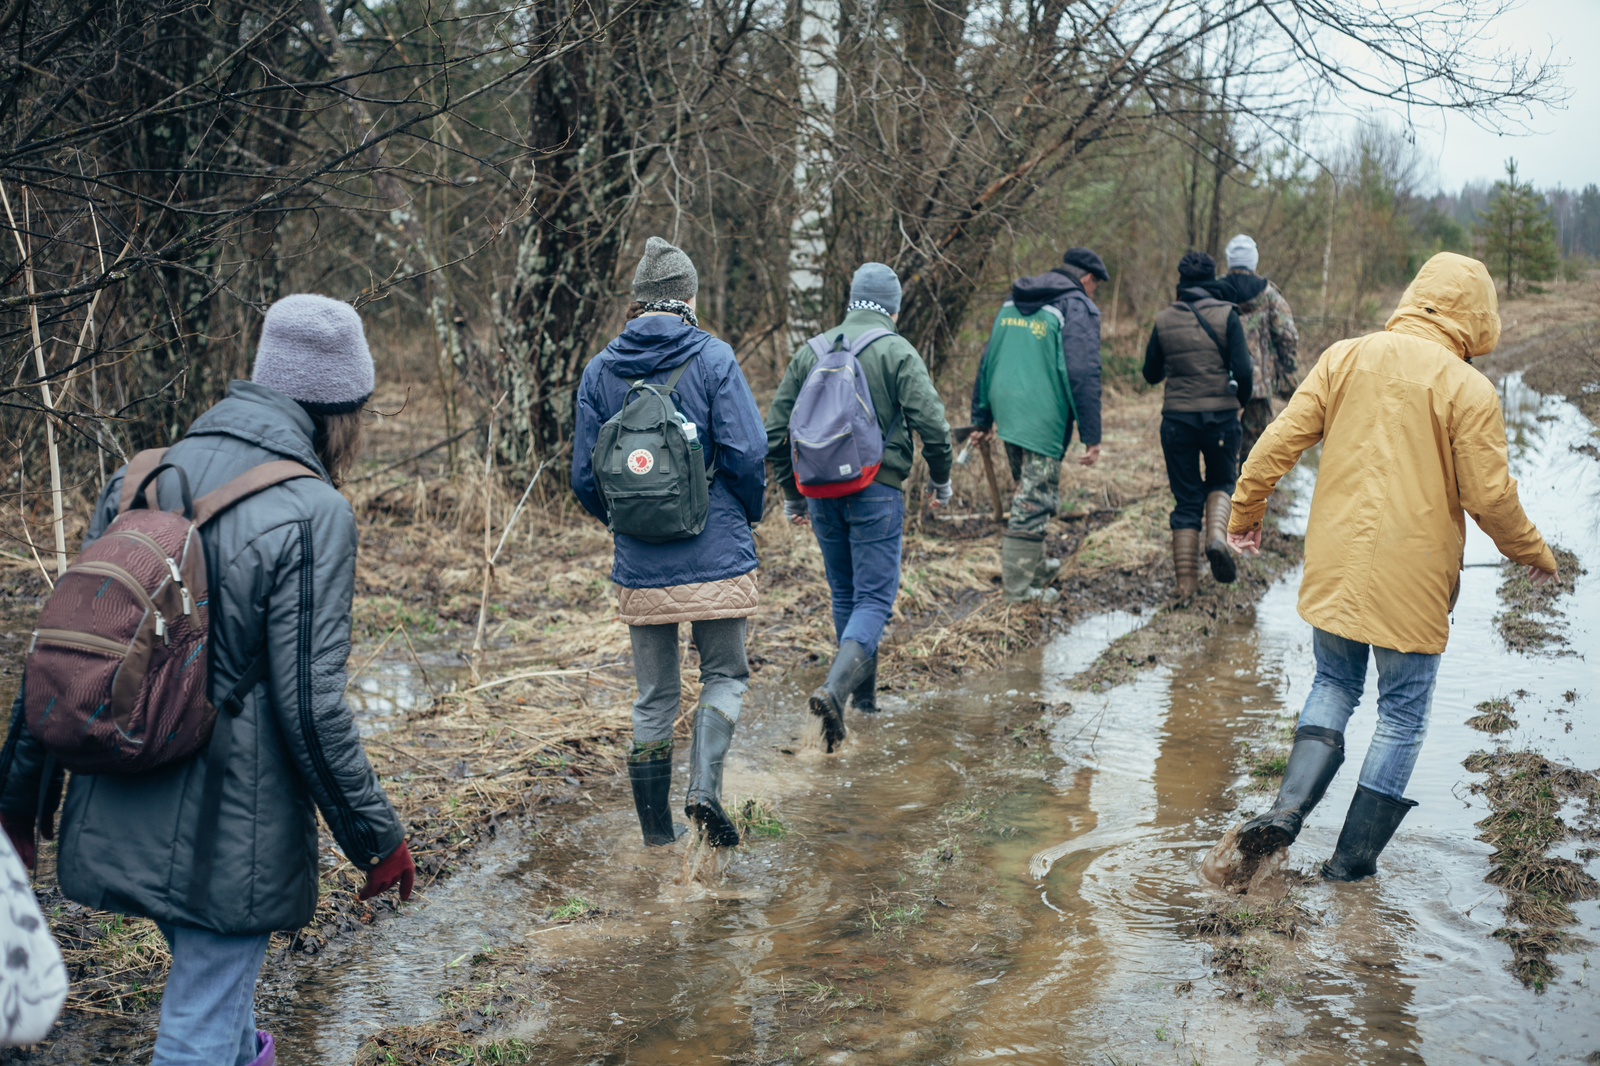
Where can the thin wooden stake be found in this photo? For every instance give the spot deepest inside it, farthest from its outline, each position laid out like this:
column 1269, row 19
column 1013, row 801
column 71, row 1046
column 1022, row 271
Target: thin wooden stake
column 488, row 556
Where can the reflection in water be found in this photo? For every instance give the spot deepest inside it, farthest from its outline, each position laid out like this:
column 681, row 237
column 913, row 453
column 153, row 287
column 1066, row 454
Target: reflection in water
column 1092, row 959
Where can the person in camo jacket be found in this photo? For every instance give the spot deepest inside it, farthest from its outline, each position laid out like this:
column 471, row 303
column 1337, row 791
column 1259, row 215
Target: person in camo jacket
column 1270, row 335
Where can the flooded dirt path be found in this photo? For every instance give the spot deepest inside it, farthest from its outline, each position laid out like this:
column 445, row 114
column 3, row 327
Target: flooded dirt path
column 897, row 919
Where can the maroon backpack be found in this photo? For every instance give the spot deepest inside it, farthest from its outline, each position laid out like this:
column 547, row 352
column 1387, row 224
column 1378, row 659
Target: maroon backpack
column 117, row 677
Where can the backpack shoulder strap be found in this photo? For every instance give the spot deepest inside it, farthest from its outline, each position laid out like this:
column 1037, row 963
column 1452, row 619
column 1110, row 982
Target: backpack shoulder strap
column 1222, row 348
column 139, row 466
column 248, row 483
column 861, row 343
column 820, row 345
column 672, row 382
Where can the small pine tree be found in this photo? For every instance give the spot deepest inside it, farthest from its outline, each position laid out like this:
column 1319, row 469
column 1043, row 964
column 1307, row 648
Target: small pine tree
column 1519, row 236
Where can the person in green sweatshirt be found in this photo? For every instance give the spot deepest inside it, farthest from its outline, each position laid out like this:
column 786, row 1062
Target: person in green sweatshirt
column 1040, row 374
column 860, row 534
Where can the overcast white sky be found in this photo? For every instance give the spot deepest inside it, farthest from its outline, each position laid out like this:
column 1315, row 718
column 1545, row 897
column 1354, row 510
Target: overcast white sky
column 1564, row 148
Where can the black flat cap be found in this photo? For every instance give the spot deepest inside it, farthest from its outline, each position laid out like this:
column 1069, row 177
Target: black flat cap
column 1085, row 261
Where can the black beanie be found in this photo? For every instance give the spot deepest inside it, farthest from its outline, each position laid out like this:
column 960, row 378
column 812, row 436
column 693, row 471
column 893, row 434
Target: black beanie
column 1197, row 266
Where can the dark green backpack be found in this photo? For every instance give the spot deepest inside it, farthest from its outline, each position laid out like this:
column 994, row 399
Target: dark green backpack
column 651, row 472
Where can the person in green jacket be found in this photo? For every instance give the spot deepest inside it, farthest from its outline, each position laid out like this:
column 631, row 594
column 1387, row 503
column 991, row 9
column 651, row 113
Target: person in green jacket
column 1040, row 374
column 860, row 534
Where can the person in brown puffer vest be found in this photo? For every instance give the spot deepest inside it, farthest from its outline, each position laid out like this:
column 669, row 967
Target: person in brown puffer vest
column 1198, row 347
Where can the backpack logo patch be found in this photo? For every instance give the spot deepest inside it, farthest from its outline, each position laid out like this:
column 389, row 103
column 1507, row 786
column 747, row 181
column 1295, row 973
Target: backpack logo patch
column 640, row 461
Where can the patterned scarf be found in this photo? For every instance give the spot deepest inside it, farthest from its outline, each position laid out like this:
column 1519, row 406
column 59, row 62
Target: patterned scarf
column 673, row 307
column 866, row 305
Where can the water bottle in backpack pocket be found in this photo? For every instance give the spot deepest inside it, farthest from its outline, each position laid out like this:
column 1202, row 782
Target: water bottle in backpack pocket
column 834, row 440
column 650, row 466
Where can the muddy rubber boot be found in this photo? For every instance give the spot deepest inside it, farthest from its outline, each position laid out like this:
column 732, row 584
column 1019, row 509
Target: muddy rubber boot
column 827, row 702
column 650, row 771
column 1316, row 756
column 1021, row 561
column 1368, row 828
column 1219, row 508
column 865, row 696
column 713, row 732
column 1186, row 562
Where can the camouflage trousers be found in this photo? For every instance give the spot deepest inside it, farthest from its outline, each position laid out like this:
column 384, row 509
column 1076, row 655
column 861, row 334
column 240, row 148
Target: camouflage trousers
column 1038, row 495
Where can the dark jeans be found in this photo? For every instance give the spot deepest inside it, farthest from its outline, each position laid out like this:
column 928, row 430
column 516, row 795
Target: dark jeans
column 860, row 540
column 1183, row 444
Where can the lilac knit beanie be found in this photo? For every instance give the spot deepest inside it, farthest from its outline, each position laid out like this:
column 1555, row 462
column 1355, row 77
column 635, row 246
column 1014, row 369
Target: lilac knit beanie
column 314, row 350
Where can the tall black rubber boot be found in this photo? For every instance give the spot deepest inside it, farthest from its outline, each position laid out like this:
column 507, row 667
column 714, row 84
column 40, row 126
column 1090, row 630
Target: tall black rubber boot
column 827, row 702
column 865, row 696
column 1368, row 828
column 1316, row 756
column 650, row 771
column 713, row 732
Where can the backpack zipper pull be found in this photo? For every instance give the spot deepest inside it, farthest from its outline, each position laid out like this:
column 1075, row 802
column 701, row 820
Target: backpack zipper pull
column 161, row 629
column 177, row 579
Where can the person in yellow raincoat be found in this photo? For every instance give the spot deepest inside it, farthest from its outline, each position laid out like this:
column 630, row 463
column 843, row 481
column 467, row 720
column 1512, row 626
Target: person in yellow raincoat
column 1412, row 438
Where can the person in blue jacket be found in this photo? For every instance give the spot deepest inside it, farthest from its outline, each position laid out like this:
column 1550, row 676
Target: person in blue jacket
column 707, row 580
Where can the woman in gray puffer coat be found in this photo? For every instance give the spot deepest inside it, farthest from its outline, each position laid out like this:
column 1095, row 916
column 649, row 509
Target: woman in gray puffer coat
column 281, row 568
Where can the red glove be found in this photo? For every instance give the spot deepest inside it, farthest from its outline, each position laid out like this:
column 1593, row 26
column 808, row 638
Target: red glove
column 396, row 869
column 20, row 829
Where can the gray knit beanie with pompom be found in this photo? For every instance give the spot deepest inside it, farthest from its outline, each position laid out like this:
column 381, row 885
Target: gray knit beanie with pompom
column 314, row 350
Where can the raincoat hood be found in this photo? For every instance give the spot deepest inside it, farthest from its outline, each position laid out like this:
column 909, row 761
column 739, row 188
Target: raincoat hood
column 1030, row 294
column 653, row 342
column 1451, row 301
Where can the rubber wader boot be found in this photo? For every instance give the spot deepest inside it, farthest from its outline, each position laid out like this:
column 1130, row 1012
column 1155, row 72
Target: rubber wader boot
column 1219, row 508
column 865, row 696
column 1368, row 827
column 713, row 732
column 650, row 770
column 1186, row 561
column 1316, row 756
column 1021, row 561
column 1047, row 569
column 844, row 677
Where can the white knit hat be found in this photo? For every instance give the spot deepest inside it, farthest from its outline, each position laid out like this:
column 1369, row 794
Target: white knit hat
column 314, row 350
column 1242, row 253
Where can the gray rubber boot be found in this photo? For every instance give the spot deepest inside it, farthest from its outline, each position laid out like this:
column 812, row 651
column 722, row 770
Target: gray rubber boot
column 1316, row 756
column 844, row 677
column 650, row 771
column 713, row 732
column 1368, row 828
column 865, row 696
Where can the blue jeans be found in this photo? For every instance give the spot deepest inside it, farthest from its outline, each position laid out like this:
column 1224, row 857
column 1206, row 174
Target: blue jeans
column 208, row 1011
column 860, row 540
column 1405, row 695
column 1183, row 442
